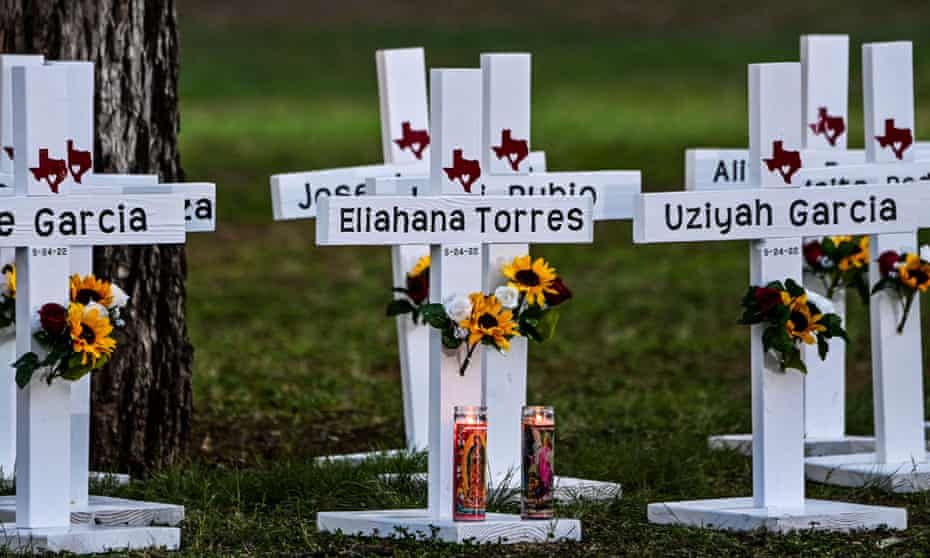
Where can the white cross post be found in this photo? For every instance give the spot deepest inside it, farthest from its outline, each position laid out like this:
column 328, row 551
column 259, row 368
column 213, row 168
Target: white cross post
column 506, row 121
column 199, row 216
column 825, row 84
column 42, row 221
column 405, row 142
column 776, row 216
column 457, row 262
column 900, row 460
column 826, row 61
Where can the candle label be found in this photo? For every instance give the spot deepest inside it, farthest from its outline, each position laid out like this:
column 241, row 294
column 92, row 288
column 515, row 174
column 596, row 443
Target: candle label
column 471, row 484
column 538, row 472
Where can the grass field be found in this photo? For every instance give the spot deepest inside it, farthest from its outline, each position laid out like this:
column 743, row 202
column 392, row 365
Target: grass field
column 295, row 359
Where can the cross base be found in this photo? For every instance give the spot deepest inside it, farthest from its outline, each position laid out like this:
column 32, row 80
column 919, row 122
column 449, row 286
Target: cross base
column 110, row 512
column 813, row 447
column 567, row 489
column 357, row 458
column 497, row 528
column 741, row 514
column 864, row 470
column 88, row 539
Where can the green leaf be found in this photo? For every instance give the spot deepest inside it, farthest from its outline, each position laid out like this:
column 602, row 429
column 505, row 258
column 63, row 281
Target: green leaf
column 792, row 359
column 435, row 315
column 399, row 306
column 449, row 340
column 26, row 366
column 548, row 323
column 793, row 288
column 823, row 346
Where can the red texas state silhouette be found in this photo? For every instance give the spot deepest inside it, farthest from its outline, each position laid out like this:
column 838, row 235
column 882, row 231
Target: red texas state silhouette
column 514, row 150
column 414, row 140
column 898, row 139
column 52, row 171
column 466, row 171
column 785, row 161
column 831, row 127
column 80, row 159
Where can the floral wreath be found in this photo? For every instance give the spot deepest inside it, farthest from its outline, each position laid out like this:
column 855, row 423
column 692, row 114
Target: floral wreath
column 791, row 318
column 839, row 262
column 522, row 307
column 905, row 274
column 77, row 338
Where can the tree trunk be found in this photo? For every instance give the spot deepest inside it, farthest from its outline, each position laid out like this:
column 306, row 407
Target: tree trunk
column 142, row 401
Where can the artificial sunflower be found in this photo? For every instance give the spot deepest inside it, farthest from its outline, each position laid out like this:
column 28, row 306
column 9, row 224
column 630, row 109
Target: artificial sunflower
column 87, row 289
column 532, row 278
column 9, row 271
column 858, row 259
column 489, row 322
column 915, row 273
column 802, row 324
column 90, row 333
column 421, row 266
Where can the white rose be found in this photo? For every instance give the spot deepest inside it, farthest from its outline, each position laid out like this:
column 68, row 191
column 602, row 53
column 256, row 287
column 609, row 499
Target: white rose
column 507, row 296
column 120, row 298
column 458, row 307
column 925, row 253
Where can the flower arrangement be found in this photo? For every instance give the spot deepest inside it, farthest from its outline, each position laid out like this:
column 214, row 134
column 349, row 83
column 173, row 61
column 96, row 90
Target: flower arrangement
column 525, row 306
column 840, row 262
column 8, row 297
column 905, row 274
column 416, row 292
column 78, row 338
column 790, row 319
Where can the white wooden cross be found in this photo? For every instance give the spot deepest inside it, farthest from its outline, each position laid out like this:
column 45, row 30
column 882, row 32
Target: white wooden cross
column 824, row 114
column 42, row 221
column 900, row 460
column 200, row 216
column 775, row 217
column 459, row 225
column 405, row 142
column 825, row 84
column 506, row 114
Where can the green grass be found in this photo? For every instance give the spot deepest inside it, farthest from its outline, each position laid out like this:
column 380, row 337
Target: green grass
column 294, row 357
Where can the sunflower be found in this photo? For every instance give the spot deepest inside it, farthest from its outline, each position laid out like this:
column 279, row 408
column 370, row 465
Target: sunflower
column 489, row 321
column 10, row 272
column 534, row 279
column 85, row 290
column 857, row 259
column 915, row 273
column 801, row 323
column 421, row 266
column 90, row 332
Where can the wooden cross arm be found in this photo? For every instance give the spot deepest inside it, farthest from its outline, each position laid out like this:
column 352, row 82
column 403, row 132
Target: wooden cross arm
column 612, row 192
column 779, row 213
column 92, row 220
column 398, row 220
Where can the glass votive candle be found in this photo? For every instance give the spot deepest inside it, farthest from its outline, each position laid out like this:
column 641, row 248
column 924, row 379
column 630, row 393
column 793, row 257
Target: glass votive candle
column 537, row 490
column 470, row 463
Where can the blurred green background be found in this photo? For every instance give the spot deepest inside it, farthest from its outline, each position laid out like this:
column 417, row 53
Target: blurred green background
column 295, row 357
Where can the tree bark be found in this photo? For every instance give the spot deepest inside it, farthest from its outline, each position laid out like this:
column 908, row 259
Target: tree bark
column 142, row 402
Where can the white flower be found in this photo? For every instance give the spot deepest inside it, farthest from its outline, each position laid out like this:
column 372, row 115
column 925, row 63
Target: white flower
column 507, row 296
column 821, row 302
column 925, row 253
column 120, row 298
column 457, row 307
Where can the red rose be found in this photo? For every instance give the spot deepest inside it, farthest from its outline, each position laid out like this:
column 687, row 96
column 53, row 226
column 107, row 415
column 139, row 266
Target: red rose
column 812, row 252
column 767, row 298
column 886, row 262
column 418, row 287
column 561, row 295
column 53, row 318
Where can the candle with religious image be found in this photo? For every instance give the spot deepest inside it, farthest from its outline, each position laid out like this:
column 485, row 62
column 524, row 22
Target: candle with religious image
column 536, row 498
column 470, row 463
